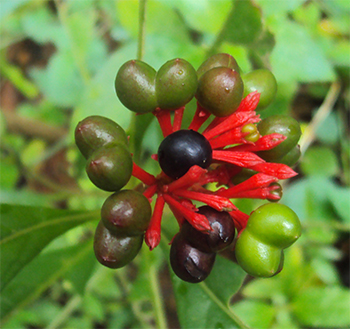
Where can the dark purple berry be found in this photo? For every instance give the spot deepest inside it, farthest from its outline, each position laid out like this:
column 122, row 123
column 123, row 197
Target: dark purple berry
column 183, row 149
column 221, row 236
column 189, row 263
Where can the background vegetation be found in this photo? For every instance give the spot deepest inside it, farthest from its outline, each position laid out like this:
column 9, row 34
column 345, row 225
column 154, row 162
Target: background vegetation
column 58, row 60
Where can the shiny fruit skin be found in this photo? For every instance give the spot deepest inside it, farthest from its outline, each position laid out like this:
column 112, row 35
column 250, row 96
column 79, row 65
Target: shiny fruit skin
column 96, row 131
column 126, row 213
column 183, row 149
column 218, row 60
column 221, row 236
column 188, row 263
column 110, row 167
column 113, row 251
column 135, row 86
column 220, row 91
column 176, row 84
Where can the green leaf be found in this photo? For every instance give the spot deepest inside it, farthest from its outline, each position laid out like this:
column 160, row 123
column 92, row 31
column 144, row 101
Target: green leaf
column 319, row 161
column 297, row 56
column 256, row 314
column 61, row 81
column 326, row 307
column 8, row 7
column 278, row 7
column 244, row 24
column 205, row 305
column 340, row 199
column 39, row 275
column 206, row 15
column 25, row 231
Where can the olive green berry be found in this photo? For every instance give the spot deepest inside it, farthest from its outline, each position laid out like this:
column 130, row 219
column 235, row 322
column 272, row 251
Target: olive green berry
column 176, row 84
column 96, row 131
column 220, row 91
column 135, row 86
column 114, row 251
column 264, row 82
column 110, row 167
column 218, row 60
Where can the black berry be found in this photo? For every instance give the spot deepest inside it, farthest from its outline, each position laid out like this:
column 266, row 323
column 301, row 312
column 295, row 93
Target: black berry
column 189, row 263
column 221, row 236
column 183, row 149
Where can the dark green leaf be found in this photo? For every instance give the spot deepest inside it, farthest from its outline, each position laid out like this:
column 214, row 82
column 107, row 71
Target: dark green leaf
column 25, row 231
column 326, row 307
column 39, row 275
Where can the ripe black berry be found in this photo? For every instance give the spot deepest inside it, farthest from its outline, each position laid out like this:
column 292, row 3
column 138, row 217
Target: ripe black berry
column 183, row 149
column 221, row 236
column 189, row 263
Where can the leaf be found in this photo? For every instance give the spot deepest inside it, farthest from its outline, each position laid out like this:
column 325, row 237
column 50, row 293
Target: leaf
column 39, row 275
column 25, row 231
column 8, row 7
column 297, row 56
column 278, row 7
column 256, row 314
column 61, row 81
column 205, row 305
column 326, row 307
column 340, row 199
column 319, row 161
column 244, row 24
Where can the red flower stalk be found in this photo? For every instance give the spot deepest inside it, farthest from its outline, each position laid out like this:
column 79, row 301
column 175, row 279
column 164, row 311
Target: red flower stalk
column 231, row 152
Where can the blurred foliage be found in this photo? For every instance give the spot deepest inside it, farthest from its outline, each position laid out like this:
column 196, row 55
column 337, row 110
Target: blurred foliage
column 58, row 61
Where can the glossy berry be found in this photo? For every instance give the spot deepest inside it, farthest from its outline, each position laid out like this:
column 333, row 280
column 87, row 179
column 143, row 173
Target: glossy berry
column 189, row 263
column 220, row 91
column 110, row 167
column 96, row 131
column 278, row 192
column 221, row 236
column 275, row 224
column 284, row 125
column 126, row 212
column 176, row 84
column 135, row 86
column 252, row 132
column 264, row 82
column 291, row 158
column 113, row 251
column 183, row 149
column 218, row 60
column 256, row 257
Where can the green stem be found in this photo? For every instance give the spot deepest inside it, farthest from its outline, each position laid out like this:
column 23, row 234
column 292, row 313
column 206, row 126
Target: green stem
column 157, row 298
column 141, row 35
column 220, row 304
column 66, row 312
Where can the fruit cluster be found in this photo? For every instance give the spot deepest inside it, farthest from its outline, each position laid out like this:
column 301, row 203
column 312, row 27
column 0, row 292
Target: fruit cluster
column 244, row 155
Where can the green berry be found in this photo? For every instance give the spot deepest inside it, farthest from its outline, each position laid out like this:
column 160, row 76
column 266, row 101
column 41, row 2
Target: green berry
column 291, row 158
column 281, row 124
column 218, row 60
column 176, row 84
column 262, row 81
column 220, row 91
column 135, row 86
column 96, row 131
column 126, row 212
column 278, row 192
column 257, row 258
column 113, row 251
column 275, row 224
column 110, row 167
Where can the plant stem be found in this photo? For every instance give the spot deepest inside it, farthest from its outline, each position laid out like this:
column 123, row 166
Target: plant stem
column 141, row 35
column 67, row 311
column 321, row 115
column 157, row 298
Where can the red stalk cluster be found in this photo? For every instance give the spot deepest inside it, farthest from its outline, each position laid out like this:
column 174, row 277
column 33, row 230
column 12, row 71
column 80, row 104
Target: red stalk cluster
column 231, row 153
